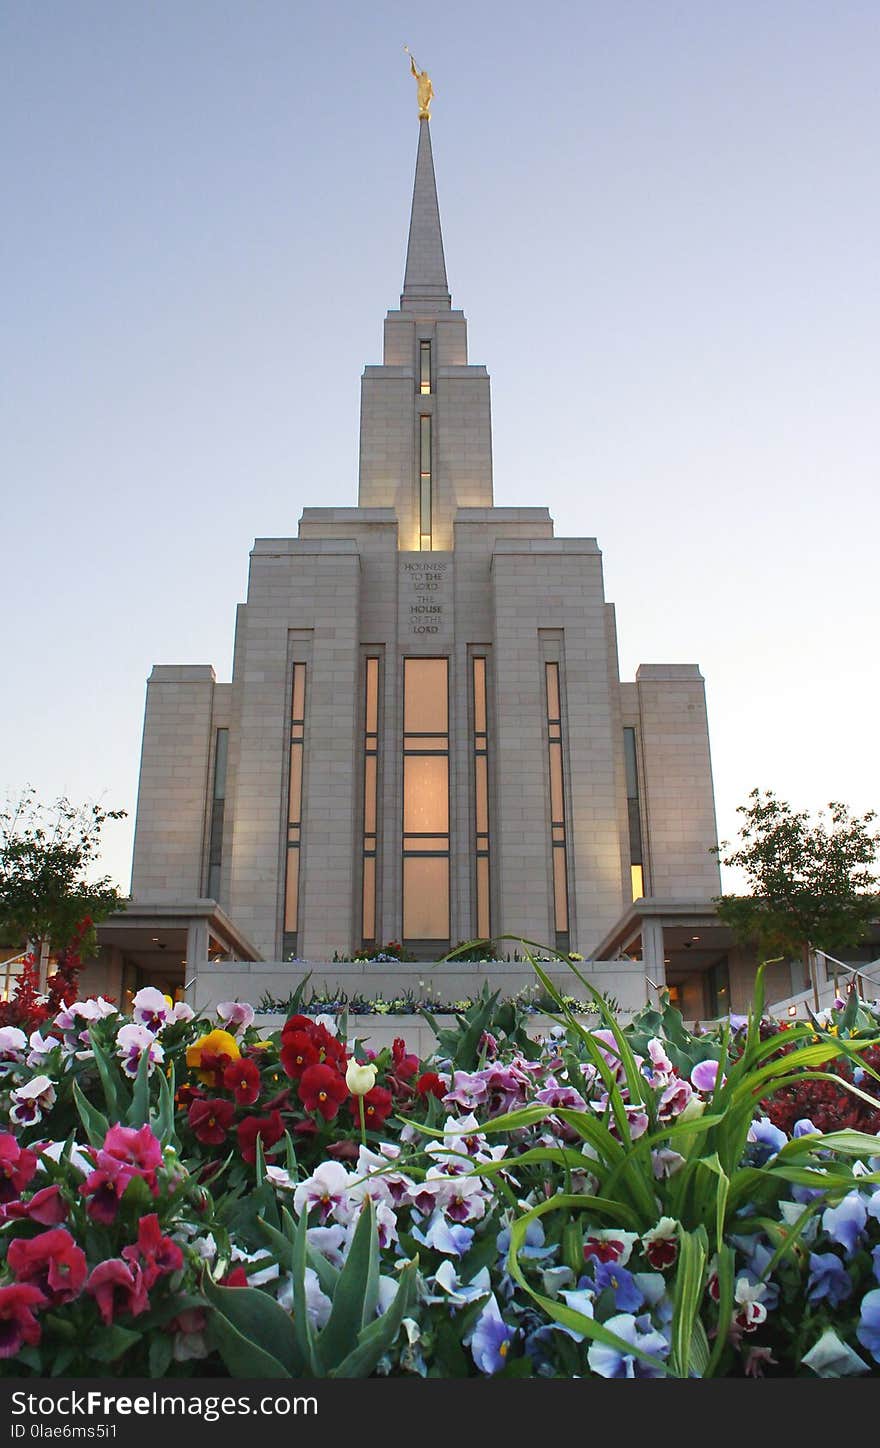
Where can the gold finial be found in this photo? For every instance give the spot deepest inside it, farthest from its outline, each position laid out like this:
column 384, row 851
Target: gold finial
column 425, row 88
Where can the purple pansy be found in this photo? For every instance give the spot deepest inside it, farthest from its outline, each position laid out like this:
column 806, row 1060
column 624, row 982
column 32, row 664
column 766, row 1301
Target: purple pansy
column 845, row 1223
column 491, row 1340
column 767, row 1138
column 829, row 1279
column 804, row 1127
column 628, row 1296
column 705, row 1075
column 868, row 1330
column 610, row 1362
column 445, row 1236
column 555, row 1094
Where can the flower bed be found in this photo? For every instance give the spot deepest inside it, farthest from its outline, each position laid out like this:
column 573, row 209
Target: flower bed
column 179, row 1196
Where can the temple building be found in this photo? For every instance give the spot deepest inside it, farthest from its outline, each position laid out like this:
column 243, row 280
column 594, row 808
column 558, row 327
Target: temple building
column 425, row 738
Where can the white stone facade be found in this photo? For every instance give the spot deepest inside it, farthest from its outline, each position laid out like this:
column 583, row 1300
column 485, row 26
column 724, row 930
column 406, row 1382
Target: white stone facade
column 360, row 582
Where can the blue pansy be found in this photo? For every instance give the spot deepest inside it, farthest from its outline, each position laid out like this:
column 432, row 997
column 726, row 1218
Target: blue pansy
column 611, row 1362
column 868, row 1330
column 829, row 1280
column 533, row 1245
column 491, row 1339
column 805, row 1127
column 766, row 1140
column 628, row 1296
column 845, row 1223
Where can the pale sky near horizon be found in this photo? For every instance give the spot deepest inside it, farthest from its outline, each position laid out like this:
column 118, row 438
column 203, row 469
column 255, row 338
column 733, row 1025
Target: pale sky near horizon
column 661, row 222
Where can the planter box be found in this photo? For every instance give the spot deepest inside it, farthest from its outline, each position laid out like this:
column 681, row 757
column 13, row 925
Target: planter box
column 448, row 980
column 377, row 1031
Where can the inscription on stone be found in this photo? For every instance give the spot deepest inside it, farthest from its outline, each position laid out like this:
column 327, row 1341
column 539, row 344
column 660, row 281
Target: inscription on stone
column 424, row 595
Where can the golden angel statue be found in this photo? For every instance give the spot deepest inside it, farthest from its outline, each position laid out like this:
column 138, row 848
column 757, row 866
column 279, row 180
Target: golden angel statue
column 425, row 88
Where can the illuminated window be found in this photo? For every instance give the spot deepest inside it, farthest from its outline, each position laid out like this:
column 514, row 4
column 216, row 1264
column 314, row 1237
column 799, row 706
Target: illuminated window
column 424, row 368
column 557, row 805
column 481, row 796
column 425, row 483
column 10, row 970
column 425, row 800
column 218, row 806
column 371, row 775
column 294, row 809
column 637, row 865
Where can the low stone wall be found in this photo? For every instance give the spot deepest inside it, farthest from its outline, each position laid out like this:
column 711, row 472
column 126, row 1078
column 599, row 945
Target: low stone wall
column 449, row 981
column 379, row 1031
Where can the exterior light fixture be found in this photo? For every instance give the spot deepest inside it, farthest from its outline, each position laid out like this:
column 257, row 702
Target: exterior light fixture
column 792, row 1010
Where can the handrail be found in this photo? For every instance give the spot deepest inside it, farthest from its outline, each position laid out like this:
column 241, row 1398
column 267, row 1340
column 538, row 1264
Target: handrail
column 859, row 974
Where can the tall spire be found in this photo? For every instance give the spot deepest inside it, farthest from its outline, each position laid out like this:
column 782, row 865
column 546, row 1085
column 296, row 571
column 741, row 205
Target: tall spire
column 424, row 284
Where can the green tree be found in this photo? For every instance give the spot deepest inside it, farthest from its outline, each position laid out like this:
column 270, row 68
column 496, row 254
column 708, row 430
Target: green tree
column 47, row 854
column 812, row 884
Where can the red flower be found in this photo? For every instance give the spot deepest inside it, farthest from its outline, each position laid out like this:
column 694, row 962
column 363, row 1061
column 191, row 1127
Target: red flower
column 52, row 1262
column 47, row 1206
column 139, row 1149
column 210, row 1121
column 187, row 1095
column 17, row 1166
column 17, row 1322
column 126, row 1153
column 330, row 1048
column 606, row 1249
column 344, row 1150
column 304, row 1043
column 296, row 1023
column 155, row 1255
column 237, row 1277
column 429, row 1084
column 269, row 1128
column 378, row 1105
column 118, row 1287
column 242, row 1078
column 298, row 1053
column 105, row 1186
column 322, row 1089
column 661, row 1252
column 405, row 1066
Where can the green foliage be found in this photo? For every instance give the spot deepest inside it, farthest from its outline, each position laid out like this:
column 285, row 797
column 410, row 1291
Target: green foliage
column 714, row 1181
column 461, row 1043
column 257, row 1338
column 47, row 854
column 810, row 884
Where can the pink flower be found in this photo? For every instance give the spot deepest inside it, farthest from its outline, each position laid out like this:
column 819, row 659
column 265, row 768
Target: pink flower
column 118, row 1287
column 139, row 1149
column 46, row 1206
column 126, row 1153
column 155, row 1255
column 705, row 1076
column 17, row 1322
column 51, row 1262
column 17, row 1166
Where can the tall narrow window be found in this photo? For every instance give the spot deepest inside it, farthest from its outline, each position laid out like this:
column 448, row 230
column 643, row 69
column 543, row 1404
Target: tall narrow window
column 294, row 809
column 218, row 807
column 481, row 796
column 636, row 860
column 371, row 796
column 425, row 800
column 425, row 483
column 557, row 803
column 424, row 368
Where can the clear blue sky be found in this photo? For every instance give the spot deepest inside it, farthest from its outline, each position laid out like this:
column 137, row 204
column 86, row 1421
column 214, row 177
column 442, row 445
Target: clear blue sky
column 662, row 223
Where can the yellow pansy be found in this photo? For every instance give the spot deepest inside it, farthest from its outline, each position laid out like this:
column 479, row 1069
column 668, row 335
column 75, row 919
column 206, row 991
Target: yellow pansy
column 216, row 1043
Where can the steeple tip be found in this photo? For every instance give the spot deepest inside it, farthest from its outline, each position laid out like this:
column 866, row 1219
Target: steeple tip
column 425, row 286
